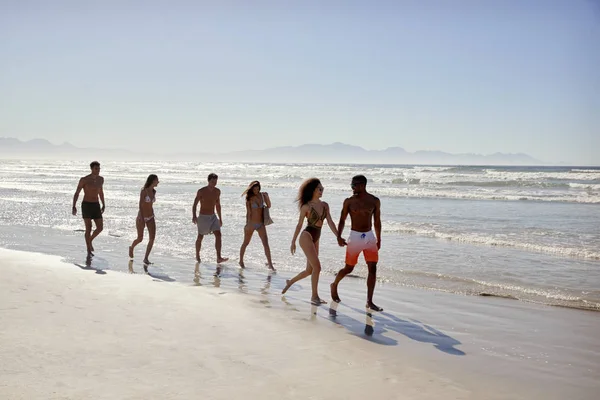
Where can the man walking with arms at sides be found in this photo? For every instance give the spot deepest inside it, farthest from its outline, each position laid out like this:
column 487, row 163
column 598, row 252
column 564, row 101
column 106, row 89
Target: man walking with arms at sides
column 90, row 207
column 209, row 198
column 364, row 210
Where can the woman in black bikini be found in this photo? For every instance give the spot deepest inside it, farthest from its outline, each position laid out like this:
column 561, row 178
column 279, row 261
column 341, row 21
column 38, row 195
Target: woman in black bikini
column 145, row 217
column 316, row 212
column 256, row 201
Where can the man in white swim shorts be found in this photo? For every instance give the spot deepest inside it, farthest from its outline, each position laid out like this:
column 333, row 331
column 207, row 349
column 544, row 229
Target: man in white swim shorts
column 365, row 211
column 209, row 198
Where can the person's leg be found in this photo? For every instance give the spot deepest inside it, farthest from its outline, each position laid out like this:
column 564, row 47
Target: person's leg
column 99, row 227
column 371, row 279
column 248, row 232
column 262, row 233
column 198, row 246
column 88, row 234
column 218, row 247
column 310, row 250
column 139, row 224
column 352, row 253
column 338, row 277
column 304, row 274
column 152, row 234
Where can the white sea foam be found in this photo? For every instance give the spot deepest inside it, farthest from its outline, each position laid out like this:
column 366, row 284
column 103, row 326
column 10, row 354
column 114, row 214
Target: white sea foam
column 488, row 240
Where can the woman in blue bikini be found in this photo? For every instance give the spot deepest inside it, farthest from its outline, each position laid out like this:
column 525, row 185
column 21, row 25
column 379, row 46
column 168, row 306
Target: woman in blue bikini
column 145, row 217
column 256, row 202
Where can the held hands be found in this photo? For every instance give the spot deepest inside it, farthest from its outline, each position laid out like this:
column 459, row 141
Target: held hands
column 341, row 241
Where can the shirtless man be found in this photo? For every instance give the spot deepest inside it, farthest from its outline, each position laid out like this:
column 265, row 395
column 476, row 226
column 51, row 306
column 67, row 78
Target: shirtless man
column 90, row 207
column 210, row 198
column 364, row 208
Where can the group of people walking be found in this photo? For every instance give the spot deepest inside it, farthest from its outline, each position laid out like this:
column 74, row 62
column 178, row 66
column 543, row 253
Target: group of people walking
column 364, row 210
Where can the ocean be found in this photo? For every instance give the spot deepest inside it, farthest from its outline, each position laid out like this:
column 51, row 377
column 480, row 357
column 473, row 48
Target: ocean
column 525, row 233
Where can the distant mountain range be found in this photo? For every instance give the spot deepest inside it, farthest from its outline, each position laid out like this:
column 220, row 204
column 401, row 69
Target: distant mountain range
column 309, row 153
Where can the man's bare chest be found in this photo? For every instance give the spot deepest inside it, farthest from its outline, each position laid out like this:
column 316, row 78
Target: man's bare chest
column 362, row 207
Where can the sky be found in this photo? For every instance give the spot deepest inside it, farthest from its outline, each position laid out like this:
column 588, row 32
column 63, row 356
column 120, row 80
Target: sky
column 461, row 76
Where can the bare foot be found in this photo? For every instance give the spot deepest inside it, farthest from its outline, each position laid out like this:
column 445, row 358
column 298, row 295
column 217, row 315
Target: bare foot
column 198, row 257
column 317, row 301
column 222, row 260
column 372, row 306
column 242, row 264
column 130, row 252
column 272, row 268
column 334, row 294
column 147, row 262
column 287, row 286
column 92, row 247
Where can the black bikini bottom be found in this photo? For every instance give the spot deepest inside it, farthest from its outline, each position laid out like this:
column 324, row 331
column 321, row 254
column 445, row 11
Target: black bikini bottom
column 315, row 232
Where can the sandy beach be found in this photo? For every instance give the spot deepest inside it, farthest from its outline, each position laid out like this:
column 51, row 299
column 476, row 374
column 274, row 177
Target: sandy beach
column 70, row 333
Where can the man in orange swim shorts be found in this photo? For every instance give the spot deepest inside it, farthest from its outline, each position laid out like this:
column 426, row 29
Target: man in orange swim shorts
column 364, row 210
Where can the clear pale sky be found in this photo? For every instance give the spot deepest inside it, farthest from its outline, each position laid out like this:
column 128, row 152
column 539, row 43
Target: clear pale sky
column 452, row 75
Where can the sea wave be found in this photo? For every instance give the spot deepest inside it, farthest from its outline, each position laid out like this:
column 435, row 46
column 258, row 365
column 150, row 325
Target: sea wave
column 479, row 239
column 479, row 287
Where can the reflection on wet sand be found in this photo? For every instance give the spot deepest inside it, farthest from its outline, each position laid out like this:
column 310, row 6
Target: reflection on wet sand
column 130, row 267
column 242, row 283
column 197, row 275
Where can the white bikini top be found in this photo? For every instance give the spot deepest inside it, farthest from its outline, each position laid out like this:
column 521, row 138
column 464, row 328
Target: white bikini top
column 147, row 199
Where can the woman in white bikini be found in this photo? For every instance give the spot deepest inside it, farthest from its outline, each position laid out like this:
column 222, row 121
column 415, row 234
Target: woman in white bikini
column 256, row 201
column 145, row 217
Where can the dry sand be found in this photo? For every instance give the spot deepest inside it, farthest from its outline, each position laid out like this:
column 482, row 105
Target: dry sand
column 67, row 333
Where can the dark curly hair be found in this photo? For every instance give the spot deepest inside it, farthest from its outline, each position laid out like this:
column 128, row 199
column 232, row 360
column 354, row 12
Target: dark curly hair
column 306, row 191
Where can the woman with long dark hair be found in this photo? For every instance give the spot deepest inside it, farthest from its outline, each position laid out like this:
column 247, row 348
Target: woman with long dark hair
column 316, row 212
column 145, row 217
column 256, row 202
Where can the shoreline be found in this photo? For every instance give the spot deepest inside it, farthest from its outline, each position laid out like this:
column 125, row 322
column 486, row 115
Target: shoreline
column 107, row 258
column 460, row 349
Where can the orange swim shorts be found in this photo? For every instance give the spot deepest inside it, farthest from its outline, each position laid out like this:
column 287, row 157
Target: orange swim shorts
column 361, row 242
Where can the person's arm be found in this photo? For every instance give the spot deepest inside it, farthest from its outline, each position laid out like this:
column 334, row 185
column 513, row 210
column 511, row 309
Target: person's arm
column 248, row 211
column 298, row 227
column 218, row 205
column 377, row 223
column 330, row 221
column 76, row 196
column 340, row 228
column 140, row 214
column 101, row 193
column 196, row 200
column 267, row 199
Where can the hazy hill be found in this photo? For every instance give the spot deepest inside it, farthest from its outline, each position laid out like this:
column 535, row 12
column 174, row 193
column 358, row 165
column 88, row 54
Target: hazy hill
column 308, row 153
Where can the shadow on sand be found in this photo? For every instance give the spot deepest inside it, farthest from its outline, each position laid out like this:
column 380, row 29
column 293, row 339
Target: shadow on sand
column 163, row 278
column 377, row 324
column 88, row 266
